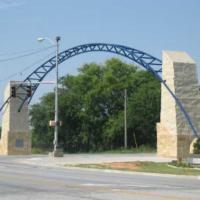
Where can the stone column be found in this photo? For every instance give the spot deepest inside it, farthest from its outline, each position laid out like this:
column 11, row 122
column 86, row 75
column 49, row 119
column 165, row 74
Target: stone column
column 174, row 135
column 15, row 135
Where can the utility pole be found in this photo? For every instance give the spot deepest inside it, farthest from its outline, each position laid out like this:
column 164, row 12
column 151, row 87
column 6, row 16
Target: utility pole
column 125, row 118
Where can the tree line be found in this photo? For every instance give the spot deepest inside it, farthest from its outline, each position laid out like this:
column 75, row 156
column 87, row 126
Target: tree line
column 91, row 108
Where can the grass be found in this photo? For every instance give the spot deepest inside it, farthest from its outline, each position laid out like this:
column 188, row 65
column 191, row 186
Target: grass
column 140, row 149
column 40, row 151
column 165, row 168
column 150, row 167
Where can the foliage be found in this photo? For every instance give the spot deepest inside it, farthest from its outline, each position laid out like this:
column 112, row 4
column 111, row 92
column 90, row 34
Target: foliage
column 91, row 107
column 140, row 149
column 197, row 146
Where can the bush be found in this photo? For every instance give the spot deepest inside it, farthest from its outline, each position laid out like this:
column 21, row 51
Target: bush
column 197, row 147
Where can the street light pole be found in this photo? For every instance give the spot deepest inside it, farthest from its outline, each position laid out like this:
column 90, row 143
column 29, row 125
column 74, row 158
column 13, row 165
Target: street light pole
column 56, row 152
column 125, row 118
column 56, row 98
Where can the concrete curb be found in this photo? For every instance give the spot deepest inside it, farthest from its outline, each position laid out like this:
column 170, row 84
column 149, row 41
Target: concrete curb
column 132, row 172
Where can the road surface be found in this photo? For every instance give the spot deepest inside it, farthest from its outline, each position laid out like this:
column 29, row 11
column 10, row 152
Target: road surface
column 29, row 182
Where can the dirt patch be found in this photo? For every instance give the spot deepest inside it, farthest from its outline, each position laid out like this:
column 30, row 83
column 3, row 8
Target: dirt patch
column 122, row 165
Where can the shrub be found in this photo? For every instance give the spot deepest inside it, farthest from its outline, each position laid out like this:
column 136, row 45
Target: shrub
column 197, row 147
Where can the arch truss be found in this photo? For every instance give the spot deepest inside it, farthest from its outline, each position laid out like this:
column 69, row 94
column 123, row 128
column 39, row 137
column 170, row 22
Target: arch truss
column 150, row 63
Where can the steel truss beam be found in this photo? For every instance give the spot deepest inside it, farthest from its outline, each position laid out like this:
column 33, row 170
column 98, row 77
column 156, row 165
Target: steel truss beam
column 150, row 63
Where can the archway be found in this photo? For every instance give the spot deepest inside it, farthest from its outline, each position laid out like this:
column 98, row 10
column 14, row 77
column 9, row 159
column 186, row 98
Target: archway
column 150, row 63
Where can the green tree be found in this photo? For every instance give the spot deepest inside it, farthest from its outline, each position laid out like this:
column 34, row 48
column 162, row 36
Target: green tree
column 41, row 113
column 91, row 106
column 197, row 147
column 144, row 109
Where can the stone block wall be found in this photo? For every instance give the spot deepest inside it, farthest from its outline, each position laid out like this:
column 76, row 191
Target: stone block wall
column 15, row 136
column 174, row 135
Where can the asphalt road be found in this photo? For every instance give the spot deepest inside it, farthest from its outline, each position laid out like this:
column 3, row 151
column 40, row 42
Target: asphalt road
column 21, row 181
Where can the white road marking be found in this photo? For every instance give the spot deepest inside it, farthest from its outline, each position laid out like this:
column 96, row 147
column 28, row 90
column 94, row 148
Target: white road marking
column 128, row 185
column 35, row 159
column 97, row 184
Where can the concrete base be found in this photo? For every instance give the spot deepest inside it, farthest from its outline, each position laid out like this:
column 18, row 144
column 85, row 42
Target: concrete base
column 194, row 159
column 57, row 153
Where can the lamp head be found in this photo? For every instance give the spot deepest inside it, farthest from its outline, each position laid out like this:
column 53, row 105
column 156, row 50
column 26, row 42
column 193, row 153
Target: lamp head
column 58, row 38
column 40, row 39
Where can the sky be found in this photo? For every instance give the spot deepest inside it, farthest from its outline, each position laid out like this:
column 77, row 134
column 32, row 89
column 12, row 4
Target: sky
column 148, row 25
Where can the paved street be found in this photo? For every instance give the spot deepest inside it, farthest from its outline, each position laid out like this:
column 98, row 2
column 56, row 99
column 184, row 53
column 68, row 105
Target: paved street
column 23, row 181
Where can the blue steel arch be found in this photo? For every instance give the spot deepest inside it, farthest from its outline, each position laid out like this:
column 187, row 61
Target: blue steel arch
column 150, row 63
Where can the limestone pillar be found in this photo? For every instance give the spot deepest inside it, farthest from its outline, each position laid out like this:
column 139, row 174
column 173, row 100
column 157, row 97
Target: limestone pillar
column 174, row 135
column 15, row 135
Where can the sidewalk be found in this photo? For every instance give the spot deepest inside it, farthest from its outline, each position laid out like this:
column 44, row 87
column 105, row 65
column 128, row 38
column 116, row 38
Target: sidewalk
column 71, row 159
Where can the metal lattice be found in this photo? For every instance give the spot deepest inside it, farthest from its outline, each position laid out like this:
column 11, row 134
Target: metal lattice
column 150, row 63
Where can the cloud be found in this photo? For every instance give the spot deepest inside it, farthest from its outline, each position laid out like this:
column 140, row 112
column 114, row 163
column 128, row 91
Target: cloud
column 4, row 4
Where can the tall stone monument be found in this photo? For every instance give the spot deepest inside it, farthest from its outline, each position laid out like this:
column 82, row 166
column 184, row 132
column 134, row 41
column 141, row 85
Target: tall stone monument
column 15, row 134
column 174, row 135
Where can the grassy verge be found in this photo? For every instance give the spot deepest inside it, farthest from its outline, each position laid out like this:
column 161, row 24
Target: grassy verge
column 150, row 167
column 40, row 151
column 140, row 149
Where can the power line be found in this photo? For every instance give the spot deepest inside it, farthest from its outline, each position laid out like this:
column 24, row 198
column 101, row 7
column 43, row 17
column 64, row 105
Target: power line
column 26, row 68
column 21, row 52
column 26, row 54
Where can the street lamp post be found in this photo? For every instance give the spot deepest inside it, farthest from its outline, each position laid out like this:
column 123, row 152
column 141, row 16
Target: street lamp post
column 56, row 98
column 56, row 152
column 125, row 118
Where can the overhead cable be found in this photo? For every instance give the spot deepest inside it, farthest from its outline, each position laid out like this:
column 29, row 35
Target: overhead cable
column 26, row 68
column 26, row 54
